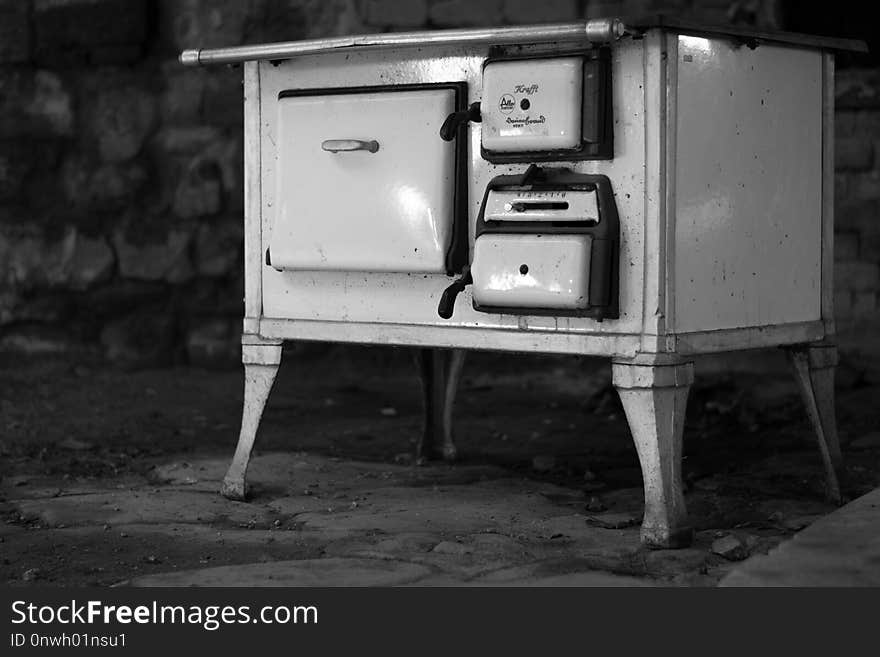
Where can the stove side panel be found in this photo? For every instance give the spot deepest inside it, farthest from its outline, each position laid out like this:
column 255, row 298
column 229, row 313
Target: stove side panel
column 747, row 186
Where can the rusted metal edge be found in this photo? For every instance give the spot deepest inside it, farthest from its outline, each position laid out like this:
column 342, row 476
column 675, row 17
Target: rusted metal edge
column 746, row 34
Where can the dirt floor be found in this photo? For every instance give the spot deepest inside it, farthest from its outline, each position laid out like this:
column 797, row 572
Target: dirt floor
column 111, row 476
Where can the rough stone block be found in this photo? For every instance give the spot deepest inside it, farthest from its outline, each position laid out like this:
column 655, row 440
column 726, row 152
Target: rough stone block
column 857, row 275
column 15, row 31
column 79, row 261
column 34, row 103
column 186, row 140
column 846, row 246
column 204, row 174
column 547, row 11
column 215, row 297
column 396, row 13
column 29, row 261
column 841, row 189
column 844, row 124
column 153, row 259
column 91, row 261
column 869, row 244
column 857, row 89
column 115, row 55
column 181, row 99
column 865, row 186
column 862, row 217
column 605, row 8
column 219, row 248
column 711, row 15
column 303, row 19
column 121, row 114
column 70, row 31
column 761, row 14
column 853, row 154
column 214, row 343
column 119, row 297
column 337, row 18
column 843, row 304
column 43, row 305
column 25, row 267
column 214, row 23
column 462, row 13
column 199, row 193
column 856, row 123
column 864, row 303
column 143, row 338
column 34, row 264
column 99, row 187
column 222, row 104
column 16, row 163
column 205, row 23
column 36, row 339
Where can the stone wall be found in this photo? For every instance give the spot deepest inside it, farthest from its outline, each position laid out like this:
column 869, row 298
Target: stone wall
column 120, row 170
column 857, row 215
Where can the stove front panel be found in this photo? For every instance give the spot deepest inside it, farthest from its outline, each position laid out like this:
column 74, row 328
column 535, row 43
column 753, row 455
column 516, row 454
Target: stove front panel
column 410, row 298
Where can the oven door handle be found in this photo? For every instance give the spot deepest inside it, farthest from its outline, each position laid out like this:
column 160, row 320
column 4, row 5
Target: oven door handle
column 348, row 145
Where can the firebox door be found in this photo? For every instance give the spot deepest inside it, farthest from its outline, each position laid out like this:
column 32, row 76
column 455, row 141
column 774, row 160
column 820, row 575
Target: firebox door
column 547, row 108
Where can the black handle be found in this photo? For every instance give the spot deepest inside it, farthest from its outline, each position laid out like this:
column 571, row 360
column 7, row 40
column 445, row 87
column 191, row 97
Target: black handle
column 447, row 301
column 457, row 119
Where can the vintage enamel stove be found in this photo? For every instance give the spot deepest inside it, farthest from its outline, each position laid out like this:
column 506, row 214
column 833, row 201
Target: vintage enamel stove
column 645, row 192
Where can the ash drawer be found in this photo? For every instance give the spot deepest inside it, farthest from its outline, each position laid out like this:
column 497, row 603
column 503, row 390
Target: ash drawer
column 364, row 181
column 532, row 271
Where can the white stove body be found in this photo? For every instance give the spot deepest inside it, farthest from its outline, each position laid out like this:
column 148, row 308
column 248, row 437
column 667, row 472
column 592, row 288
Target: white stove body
column 718, row 175
column 722, row 176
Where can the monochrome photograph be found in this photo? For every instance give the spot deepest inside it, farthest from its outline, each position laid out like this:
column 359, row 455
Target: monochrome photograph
column 433, row 294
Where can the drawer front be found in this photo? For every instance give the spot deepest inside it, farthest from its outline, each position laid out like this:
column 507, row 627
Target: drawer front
column 364, row 182
column 532, row 271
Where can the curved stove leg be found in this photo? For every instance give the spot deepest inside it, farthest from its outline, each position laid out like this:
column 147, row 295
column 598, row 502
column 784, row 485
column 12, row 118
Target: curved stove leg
column 261, row 361
column 440, row 373
column 654, row 391
column 454, row 366
column 814, row 367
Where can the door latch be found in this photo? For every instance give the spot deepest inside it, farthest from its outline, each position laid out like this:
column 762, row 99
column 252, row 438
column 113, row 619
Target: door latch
column 454, row 121
column 447, row 300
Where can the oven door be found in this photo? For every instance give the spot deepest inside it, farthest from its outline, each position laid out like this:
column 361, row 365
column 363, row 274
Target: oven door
column 365, row 183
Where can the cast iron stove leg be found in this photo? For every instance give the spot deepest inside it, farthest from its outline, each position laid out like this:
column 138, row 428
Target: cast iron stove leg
column 813, row 367
column 440, row 371
column 654, row 389
column 261, row 361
